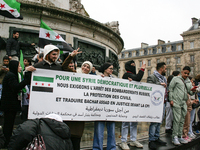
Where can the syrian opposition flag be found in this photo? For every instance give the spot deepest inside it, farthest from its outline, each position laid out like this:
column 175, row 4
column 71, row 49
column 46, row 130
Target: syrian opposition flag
column 48, row 36
column 10, row 9
column 42, row 84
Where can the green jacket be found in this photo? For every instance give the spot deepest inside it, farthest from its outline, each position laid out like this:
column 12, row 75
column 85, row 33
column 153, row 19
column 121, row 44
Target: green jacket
column 178, row 90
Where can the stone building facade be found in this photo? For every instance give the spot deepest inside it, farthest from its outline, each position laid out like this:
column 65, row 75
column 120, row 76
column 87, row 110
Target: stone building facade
column 99, row 42
column 175, row 54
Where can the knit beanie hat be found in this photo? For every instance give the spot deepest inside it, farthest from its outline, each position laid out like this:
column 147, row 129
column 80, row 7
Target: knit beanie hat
column 89, row 63
column 104, row 67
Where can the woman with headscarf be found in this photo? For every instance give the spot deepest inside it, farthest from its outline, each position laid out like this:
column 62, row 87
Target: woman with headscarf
column 76, row 127
column 107, row 70
column 12, row 95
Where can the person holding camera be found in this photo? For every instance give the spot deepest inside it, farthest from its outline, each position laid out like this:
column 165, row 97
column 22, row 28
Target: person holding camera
column 3, row 70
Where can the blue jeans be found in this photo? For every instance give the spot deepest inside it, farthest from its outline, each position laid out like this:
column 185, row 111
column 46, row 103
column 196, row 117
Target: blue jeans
column 154, row 128
column 98, row 135
column 133, row 131
column 192, row 114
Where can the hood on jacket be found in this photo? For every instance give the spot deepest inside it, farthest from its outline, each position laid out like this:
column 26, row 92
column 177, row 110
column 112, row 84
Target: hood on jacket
column 13, row 67
column 130, row 68
column 55, row 117
column 48, row 49
column 59, row 128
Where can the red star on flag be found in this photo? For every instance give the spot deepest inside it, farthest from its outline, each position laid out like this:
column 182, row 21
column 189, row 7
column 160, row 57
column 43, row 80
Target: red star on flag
column 2, row 6
column 48, row 84
column 11, row 10
column 35, row 83
column 58, row 36
column 42, row 83
column 28, row 96
column 47, row 35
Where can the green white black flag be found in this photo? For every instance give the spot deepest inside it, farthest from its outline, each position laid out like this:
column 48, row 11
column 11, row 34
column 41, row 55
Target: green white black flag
column 48, row 36
column 10, row 9
column 42, row 84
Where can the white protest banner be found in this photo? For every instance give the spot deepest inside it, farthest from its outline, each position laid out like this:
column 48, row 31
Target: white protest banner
column 85, row 97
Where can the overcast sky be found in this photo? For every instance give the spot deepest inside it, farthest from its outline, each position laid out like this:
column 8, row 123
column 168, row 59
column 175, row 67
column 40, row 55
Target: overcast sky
column 145, row 20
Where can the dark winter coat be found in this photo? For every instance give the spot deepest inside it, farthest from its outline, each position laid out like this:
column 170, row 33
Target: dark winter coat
column 13, row 47
column 44, row 65
column 56, row 134
column 131, row 72
column 11, row 88
column 2, row 73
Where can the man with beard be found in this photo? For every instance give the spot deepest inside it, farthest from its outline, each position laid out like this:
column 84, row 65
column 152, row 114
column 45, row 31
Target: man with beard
column 4, row 69
column 13, row 46
column 51, row 55
column 158, row 77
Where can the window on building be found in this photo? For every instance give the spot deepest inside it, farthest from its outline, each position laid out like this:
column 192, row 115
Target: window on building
column 191, row 44
column 134, row 54
column 150, row 51
column 122, row 55
column 159, row 50
column 168, row 49
column 149, row 62
column 141, row 52
column 168, row 71
column 158, row 60
column 168, row 61
column 179, row 47
column 192, row 71
column 192, row 58
column 130, row 54
column 149, row 72
column 178, row 60
column 140, row 64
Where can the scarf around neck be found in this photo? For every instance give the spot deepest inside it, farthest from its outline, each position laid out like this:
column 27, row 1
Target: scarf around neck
column 160, row 77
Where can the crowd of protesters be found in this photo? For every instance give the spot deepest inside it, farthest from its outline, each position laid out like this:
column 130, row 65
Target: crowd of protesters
column 180, row 109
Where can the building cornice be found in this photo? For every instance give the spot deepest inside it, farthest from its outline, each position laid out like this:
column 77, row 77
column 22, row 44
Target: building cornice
column 189, row 33
column 153, row 55
column 192, row 50
column 72, row 17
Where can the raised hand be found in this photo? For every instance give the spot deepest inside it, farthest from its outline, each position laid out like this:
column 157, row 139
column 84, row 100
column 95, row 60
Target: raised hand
column 75, row 52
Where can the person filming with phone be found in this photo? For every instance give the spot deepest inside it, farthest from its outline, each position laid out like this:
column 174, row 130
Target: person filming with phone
column 3, row 70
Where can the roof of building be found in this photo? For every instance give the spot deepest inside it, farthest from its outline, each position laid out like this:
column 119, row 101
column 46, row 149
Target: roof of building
column 195, row 25
column 152, row 46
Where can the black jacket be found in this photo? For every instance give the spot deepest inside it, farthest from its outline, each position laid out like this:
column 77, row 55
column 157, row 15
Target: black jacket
column 44, row 65
column 56, row 134
column 14, row 45
column 132, row 72
column 11, row 88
